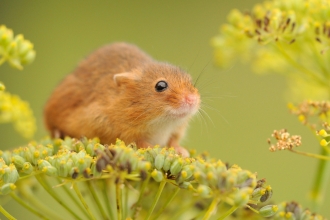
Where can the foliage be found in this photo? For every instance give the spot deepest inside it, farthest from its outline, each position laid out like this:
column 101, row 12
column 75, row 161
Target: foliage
column 291, row 38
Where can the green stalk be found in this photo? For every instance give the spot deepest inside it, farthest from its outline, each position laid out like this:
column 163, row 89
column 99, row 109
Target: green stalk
column 184, row 209
column 106, row 199
column 74, row 199
column 5, row 213
column 317, row 156
column 228, row 213
column 96, row 199
column 212, row 207
column 137, row 205
column 301, row 68
column 82, row 200
column 321, row 182
column 25, row 205
column 51, row 192
column 169, row 200
column 126, row 202
column 154, row 203
column 28, row 195
column 118, row 201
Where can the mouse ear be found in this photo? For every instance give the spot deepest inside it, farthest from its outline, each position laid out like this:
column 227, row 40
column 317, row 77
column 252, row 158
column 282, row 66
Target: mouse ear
column 121, row 78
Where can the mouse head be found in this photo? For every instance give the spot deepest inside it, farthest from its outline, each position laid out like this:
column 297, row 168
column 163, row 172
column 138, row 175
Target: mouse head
column 162, row 90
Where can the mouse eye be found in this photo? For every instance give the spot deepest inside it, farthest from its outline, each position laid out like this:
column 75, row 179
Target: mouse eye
column 161, row 86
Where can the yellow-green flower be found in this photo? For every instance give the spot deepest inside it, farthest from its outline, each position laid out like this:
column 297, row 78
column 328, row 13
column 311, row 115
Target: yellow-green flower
column 18, row 112
column 287, row 37
column 16, row 50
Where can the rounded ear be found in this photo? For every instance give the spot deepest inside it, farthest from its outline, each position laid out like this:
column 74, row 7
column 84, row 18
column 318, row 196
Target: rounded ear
column 121, row 78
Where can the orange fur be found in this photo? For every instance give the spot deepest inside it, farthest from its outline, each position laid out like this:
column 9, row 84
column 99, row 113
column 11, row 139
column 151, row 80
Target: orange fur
column 111, row 94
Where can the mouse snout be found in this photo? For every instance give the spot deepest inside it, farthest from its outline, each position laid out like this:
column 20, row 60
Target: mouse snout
column 191, row 99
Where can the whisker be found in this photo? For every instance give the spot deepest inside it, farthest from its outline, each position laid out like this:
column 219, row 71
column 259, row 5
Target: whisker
column 201, row 73
column 207, row 115
column 217, row 110
column 203, row 121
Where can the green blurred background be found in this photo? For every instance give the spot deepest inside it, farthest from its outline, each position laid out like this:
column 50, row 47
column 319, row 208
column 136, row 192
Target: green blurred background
column 249, row 107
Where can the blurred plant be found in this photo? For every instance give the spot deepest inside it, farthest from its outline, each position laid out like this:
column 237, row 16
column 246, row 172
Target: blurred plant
column 133, row 183
column 17, row 51
column 287, row 37
column 291, row 38
column 17, row 111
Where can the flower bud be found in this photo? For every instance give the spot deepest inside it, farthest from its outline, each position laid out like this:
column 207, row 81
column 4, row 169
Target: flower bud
column 7, row 188
column 185, row 185
column 323, row 133
column 10, row 174
column 268, row 210
column 43, row 163
column 28, row 57
column 18, row 161
column 203, row 190
column 241, row 197
column 324, row 143
column 257, row 193
column 159, row 161
column 158, row 176
column 176, row 166
column 49, row 170
column 168, row 162
column 268, row 194
column 27, row 168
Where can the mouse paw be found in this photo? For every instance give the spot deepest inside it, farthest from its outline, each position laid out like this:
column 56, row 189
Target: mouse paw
column 182, row 151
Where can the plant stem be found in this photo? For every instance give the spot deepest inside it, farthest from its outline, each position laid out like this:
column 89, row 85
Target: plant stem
column 212, row 207
column 74, row 199
column 154, row 203
column 138, row 203
column 252, row 209
column 317, row 156
column 82, row 200
column 301, row 68
column 28, row 195
column 5, row 213
column 169, row 200
column 126, row 202
column 321, row 182
column 25, row 205
column 96, row 199
column 228, row 213
column 51, row 192
column 106, row 199
column 118, row 200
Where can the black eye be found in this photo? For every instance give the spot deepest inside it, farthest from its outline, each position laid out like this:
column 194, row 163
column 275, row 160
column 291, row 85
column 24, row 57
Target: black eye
column 161, row 86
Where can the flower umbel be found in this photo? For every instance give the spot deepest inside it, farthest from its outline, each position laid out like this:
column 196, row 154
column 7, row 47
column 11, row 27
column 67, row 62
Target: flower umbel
column 16, row 50
column 284, row 140
column 287, row 37
column 135, row 178
column 17, row 111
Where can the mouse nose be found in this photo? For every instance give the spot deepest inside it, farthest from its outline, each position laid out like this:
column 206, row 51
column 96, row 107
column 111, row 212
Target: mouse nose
column 191, row 99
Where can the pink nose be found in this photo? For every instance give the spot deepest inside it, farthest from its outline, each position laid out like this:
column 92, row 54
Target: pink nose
column 191, row 99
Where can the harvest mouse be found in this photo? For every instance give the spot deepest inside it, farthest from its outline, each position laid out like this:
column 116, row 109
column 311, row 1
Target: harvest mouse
column 119, row 91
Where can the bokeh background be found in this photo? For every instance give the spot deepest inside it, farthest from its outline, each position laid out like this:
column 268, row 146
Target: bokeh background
column 248, row 106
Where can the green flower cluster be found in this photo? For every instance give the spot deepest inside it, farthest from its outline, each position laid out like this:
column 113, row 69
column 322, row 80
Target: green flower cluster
column 206, row 181
column 16, row 50
column 287, row 37
column 17, row 111
column 208, row 178
column 294, row 211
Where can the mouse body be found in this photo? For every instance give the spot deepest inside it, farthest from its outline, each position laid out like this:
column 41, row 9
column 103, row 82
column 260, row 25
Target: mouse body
column 119, row 91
